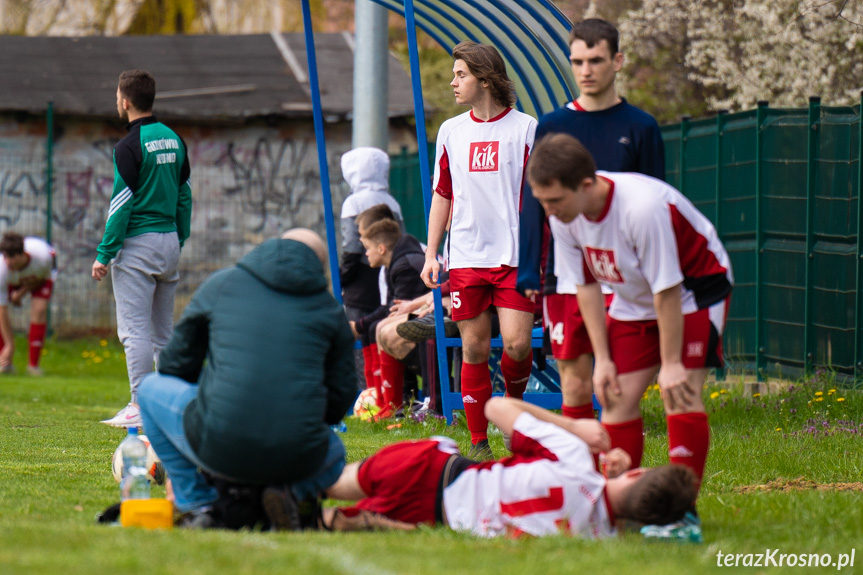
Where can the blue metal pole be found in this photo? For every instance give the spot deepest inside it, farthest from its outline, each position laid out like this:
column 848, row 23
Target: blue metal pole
column 425, row 175
column 322, row 150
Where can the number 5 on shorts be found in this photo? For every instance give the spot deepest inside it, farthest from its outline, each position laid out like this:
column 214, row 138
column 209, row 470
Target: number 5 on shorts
column 456, row 301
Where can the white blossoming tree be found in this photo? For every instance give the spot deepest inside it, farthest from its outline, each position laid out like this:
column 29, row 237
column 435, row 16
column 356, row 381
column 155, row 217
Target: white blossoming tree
column 687, row 57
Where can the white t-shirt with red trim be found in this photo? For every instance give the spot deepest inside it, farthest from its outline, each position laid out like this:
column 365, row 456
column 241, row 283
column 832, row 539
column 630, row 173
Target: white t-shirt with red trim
column 649, row 238
column 40, row 267
column 480, row 167
column 549, row 486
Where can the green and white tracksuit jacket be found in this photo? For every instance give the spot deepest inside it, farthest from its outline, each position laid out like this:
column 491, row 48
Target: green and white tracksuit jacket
column 152, row 188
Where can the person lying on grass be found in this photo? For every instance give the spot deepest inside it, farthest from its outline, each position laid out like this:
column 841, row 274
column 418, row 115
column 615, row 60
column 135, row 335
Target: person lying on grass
column 548, row 486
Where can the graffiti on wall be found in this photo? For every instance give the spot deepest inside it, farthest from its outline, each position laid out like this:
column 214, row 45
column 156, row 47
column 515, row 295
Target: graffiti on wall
column 249, row 184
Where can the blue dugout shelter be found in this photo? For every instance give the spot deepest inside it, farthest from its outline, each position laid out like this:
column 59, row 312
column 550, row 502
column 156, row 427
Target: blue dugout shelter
column 532, row 36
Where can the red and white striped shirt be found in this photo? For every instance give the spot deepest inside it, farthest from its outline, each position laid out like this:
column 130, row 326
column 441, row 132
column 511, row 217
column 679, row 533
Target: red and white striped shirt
column 40, row 266
column 648, row 238
column 549, row 486
column 480, row 167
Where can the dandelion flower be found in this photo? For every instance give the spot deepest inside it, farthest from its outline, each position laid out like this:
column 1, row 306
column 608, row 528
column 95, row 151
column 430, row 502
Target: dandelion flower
column 819, row 399
column 756, row 395
column 840, row 399
column 778, row 429
column 103, row 342
column 723, row 391
column 714, row 395
column 818, row 393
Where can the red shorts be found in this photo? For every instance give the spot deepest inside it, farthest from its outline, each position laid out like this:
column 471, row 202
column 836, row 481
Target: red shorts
column 635, row 344
column 565, row 326
column 473, row 290
column 401, row 480
column 42, row 291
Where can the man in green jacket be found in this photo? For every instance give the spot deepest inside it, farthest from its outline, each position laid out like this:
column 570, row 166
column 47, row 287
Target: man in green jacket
column 259, row 367
column 148, row 220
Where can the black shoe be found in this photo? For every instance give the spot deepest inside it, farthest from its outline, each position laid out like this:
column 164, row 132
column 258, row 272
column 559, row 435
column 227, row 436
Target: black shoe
column 201, row 518
column 310, row 513
column 281, row 508
column 423, row 328
column 480, row 451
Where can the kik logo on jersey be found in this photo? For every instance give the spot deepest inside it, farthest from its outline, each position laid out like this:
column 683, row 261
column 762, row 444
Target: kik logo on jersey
column 603, row 265
column 483, row 157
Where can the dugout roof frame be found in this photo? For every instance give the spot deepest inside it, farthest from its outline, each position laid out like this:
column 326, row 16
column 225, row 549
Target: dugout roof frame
column 531, row 35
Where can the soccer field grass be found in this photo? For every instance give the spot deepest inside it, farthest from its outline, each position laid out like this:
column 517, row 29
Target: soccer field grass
column 784, row 473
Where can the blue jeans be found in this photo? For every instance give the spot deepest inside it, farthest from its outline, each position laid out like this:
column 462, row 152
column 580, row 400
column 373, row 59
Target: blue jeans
column 163, row 399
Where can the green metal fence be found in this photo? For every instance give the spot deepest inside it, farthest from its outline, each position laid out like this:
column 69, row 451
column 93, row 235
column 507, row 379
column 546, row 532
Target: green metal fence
column 782, row 187
column 406, row 187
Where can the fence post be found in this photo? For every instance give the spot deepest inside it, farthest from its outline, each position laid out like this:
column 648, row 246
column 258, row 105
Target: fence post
column 684, row 132
column 49, row 189
column 721, row 117
column 49, row 170
column 760, row 115
column 858, row 299
column 811, row 156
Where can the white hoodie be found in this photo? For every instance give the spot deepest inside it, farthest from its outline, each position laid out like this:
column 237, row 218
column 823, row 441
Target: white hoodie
column 366, row 170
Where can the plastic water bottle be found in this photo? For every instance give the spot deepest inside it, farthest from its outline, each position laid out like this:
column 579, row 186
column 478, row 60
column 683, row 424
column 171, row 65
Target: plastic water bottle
column 135, row 483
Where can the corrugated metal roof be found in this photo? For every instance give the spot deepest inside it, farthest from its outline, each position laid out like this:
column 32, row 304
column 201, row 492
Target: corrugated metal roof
column 531, row 35
column 198, row 77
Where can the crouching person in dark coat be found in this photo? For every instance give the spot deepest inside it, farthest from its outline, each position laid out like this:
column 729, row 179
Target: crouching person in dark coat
column 259, row 367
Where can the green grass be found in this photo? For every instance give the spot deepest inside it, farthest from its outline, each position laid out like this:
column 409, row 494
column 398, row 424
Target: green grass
column 55, row 476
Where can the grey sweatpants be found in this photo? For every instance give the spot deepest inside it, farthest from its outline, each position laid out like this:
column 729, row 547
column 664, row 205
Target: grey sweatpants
column 145, row 278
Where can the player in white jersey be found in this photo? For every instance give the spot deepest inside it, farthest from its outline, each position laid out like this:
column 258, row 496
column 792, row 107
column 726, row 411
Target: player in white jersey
column 28, row 266
column 479, row 169
column 672, row 283
column 549, row 486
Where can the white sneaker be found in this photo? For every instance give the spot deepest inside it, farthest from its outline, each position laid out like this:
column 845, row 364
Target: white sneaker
column 35, row 370
column 129, row 416
column 7, row 368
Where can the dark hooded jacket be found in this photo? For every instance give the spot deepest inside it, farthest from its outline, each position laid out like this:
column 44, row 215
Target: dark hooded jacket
column 272, row 353
column 404, row 279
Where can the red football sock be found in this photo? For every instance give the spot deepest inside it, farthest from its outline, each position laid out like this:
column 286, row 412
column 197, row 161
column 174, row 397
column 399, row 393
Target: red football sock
column 368, row 366
column 516, row 374
column 392, row 379
column 579, row 411
column 475, row 392
column 376, row 374
column 688, row 440
column 37, row 340
column 629, row 436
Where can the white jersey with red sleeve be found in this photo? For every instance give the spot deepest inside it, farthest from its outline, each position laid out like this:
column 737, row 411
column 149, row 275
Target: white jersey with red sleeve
column 648, row 238
column 480, row 165
column 548, row 486
column 40, row 267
